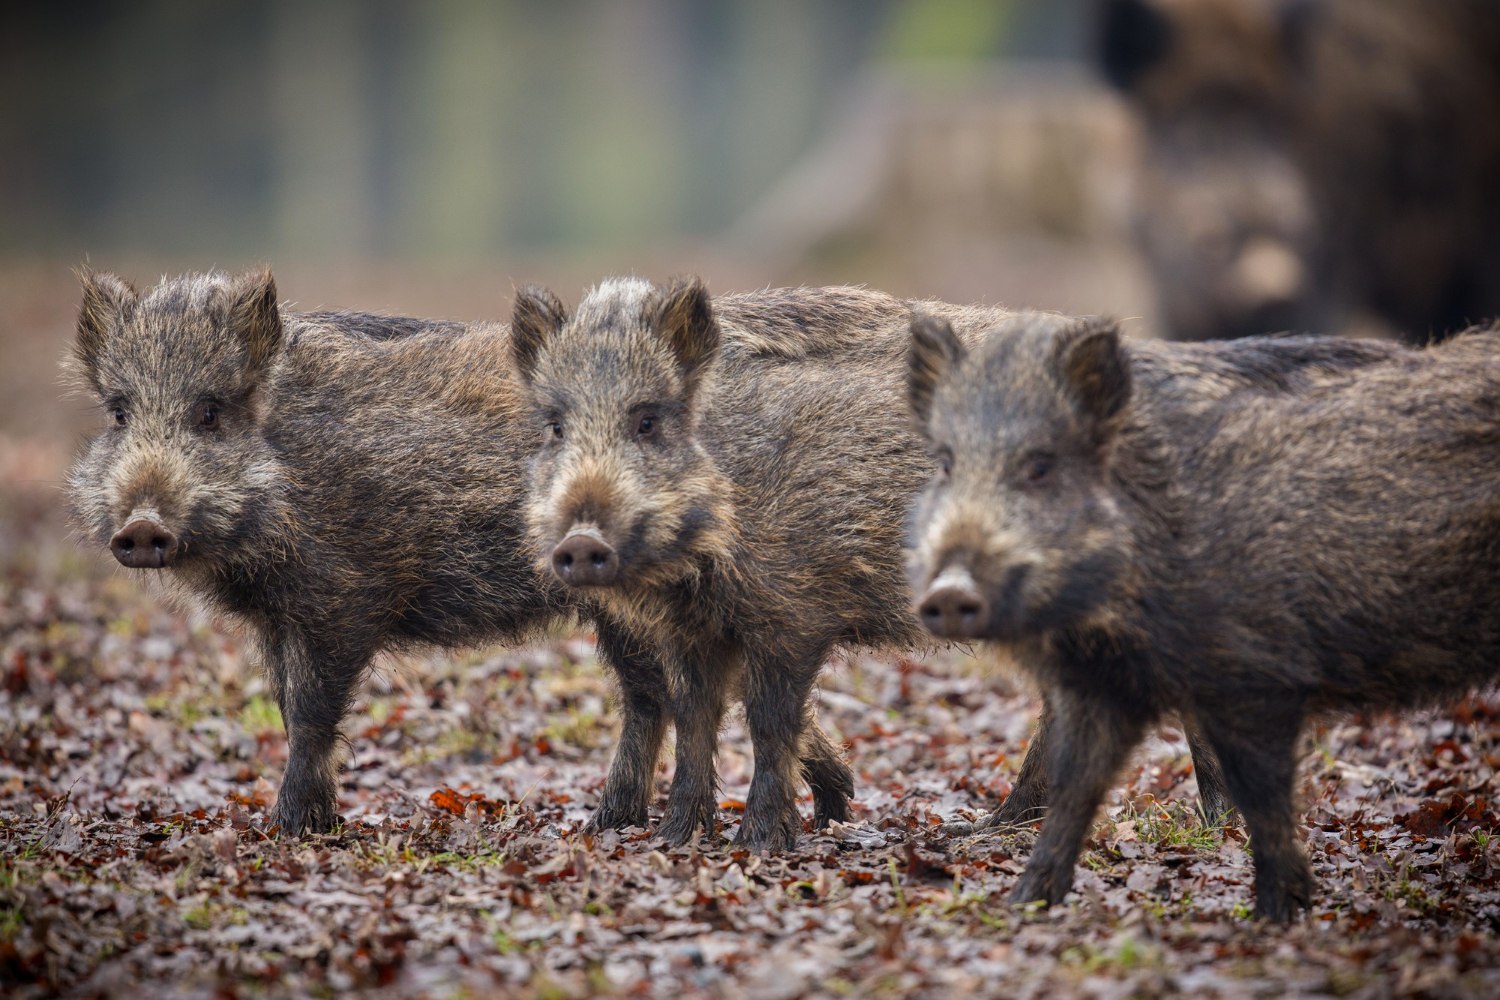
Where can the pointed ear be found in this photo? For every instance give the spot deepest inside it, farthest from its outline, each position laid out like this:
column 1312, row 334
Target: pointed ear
column 1134, row 35
column 682, row 312
column 935, row 351
column 536, row 315
column 1090, row 365
column 107, row 300
column 255, row 316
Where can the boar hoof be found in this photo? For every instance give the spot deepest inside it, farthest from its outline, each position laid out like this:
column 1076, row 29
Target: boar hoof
column 679, row 824
column 1041, row 887
column 1283, row 901
column 293, row 821
column 610, row 817
column 769, row 838
column 826, row 809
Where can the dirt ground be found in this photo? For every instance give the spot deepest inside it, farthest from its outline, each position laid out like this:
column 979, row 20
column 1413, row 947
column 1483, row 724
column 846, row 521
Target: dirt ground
column 139, row 753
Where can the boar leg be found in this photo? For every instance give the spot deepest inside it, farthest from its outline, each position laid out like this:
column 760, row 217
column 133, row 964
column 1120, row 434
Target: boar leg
column 1027, row 801
column 1088, row 741
column 778, row 686
column 826, row 773
column 313, row 692
column 1214, row 803
column 643, row 685
column 1257, row 749
column 697, row 701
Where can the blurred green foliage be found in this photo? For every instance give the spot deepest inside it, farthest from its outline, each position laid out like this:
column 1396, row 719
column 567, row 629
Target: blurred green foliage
column 350, row 129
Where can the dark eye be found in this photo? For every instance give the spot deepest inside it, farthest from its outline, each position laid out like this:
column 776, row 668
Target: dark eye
column 554, row 430
column 945, row 463
column 208, row 416
column 1039, row 468
column 646, row 428
column 118, row 415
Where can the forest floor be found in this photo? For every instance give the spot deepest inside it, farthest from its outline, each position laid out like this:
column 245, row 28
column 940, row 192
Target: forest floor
column 140, row 751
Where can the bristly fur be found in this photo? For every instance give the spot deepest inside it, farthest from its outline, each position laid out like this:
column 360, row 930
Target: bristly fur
column 360, row 490
column 1241, row 533
column 758, row 522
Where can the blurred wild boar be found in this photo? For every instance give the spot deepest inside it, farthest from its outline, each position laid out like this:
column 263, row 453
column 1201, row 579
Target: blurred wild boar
column 1314, row 165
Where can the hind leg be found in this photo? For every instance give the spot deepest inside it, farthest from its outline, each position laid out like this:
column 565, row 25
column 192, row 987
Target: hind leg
column 778, row 686
column 1214, row 803
column 829, row 777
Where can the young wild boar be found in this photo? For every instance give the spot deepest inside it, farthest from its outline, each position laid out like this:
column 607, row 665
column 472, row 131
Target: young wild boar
column 1314, row 164
column 1323, row 539
column 341, row 483
column 730, row 479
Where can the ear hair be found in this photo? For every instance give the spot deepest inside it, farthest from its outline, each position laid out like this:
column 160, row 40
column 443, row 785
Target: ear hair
column 255, row 316
column 935, row 349
column 682, row 312
column 1090, row 365
column 535, row 316
column 107, row 300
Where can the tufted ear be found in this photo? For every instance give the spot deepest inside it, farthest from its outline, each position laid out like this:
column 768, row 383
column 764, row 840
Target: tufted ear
column 536, row 315
column 682, row 313
column 255, row 317
column 1134, row 35
column 107, row 301
column 1090, row 366
column 935, row 350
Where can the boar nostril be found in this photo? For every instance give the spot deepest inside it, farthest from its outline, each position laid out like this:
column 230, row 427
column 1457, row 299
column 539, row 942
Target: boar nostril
column 144, row 543
column 585, row 559
column 953, row 607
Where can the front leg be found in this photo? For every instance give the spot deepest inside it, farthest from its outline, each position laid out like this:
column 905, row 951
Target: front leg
column 643, row 690
column 313, row 692
column 1088, row 741
column 697, row 697
column 777, row 690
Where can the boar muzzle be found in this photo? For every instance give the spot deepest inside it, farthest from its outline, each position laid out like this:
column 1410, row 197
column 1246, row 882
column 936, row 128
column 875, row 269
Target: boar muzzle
column 144, row 543
column 585, row 559
column 953, row 607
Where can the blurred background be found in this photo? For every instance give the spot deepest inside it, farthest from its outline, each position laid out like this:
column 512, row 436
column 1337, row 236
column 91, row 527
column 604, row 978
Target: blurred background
column 1197, row 167
column 425, row 158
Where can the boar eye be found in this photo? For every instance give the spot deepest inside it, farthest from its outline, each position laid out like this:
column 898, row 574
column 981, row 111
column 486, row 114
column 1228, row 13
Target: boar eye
column 1039, row 468
column 208, row 416
column 554, row 430
column 945, row 463
column 118, row 415
column 647, row 427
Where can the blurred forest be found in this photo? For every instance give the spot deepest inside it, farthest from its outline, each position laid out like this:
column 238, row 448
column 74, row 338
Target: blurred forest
column 426, row 158
column 338, row 129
